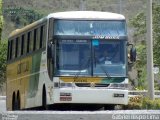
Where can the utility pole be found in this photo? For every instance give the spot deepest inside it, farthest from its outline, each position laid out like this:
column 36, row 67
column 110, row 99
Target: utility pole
column 82, row 5
column 120, row 6
column 150, row 75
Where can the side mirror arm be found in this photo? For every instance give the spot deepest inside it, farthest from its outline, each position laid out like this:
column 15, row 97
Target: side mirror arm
column 133, row 53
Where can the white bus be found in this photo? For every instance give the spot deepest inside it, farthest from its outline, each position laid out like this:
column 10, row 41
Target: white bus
column 69, row 58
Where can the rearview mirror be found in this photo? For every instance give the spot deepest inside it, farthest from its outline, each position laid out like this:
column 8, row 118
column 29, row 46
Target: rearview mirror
column 50, row 51
column 133, row 54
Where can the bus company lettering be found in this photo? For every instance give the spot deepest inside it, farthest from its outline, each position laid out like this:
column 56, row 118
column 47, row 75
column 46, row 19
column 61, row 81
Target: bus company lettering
column 81, row 80
column 106, row 37
column 23, row 67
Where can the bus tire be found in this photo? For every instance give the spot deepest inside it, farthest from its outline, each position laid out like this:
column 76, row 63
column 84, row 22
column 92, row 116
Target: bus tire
column 109, row 107
column 44, row 99
column 18, row 101
column 14, row 102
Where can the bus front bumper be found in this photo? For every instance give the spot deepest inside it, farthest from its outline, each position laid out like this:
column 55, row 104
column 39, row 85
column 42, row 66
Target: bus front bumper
column 90, row 96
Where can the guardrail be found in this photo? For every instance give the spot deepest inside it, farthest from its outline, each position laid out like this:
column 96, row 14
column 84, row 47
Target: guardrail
column 131, row 93
column 2, row 97
column 143, row 92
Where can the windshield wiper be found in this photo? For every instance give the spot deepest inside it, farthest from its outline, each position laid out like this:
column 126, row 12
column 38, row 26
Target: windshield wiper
column 105, row 71
column 81, row 66
column 101, row 66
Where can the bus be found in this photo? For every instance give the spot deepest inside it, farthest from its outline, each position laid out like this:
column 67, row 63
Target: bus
column 69, row 58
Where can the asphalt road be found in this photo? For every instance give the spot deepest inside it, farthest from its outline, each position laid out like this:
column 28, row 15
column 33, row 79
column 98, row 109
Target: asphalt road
column 2, row 103
column 77, row 115
column 82, row 115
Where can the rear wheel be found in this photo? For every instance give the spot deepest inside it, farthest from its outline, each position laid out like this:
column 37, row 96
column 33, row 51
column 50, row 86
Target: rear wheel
column 109, row 107
column 44, row 99
column 18, row 102
column 14, row 102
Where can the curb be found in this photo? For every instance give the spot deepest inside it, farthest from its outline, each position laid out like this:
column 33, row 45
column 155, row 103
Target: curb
column 2, row 97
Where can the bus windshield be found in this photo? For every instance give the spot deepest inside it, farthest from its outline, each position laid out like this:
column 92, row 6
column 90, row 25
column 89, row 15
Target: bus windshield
column 90, row 58
column 109, row 58
column 90, row 27
column 73, row 57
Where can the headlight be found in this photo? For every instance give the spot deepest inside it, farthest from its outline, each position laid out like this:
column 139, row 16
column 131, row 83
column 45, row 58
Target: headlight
column 65, row 85
column 118, row 86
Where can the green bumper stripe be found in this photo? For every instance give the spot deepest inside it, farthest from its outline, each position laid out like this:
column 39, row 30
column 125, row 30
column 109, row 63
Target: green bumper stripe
column 112, row 80
column 34, row 79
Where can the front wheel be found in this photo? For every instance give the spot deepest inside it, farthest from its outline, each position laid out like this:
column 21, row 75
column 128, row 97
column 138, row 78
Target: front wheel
column 44, row 100
column 15, row 104
column 109, row 107
column 18, row 103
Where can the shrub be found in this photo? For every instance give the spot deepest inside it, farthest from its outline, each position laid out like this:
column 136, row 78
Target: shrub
column 140, row 102
column 134, row 103
column 3, row 55
column 151, row 104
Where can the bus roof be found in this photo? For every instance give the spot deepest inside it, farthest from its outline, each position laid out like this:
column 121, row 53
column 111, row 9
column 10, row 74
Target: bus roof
column 27, row 27
column 79, row 15
column 96, row 15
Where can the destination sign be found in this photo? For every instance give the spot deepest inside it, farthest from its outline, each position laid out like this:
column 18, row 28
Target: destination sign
column 106, row 37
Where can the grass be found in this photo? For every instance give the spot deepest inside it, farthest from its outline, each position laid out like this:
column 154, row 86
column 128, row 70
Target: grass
column 142, row 103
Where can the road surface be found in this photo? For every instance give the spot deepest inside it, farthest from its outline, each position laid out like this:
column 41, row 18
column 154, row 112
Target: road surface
column 82, row 115
column 77, row 115
column 2, row 103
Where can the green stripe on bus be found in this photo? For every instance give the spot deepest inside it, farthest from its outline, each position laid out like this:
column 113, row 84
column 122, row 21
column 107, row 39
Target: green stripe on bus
column 113, row 80
column 34, row 79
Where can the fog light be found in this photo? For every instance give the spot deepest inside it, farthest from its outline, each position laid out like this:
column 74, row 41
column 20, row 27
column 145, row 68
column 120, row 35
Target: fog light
column 118, row 95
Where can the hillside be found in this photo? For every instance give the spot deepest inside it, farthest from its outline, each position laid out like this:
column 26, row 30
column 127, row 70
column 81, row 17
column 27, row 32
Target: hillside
column 129, row 8
column 63, row 5
column 40, row 8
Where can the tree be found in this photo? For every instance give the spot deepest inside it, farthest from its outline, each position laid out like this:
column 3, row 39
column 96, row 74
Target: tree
column 1, row 19
column 139, row 23
column 3, row 56
column 3, row 50
column 156, row 34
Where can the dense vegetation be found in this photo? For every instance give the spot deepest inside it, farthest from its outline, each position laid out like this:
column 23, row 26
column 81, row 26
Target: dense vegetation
column 3, row 48
column 1, row 18
column 142, row 103
column 139, row 23
column 18, row 13
column 41, row 8
column 127, row 7
column 3, row 55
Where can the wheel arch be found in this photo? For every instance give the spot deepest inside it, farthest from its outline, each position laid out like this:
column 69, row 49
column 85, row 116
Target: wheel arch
column 13, row 99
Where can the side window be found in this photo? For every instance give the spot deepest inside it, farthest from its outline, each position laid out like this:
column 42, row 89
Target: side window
column 22, row 45
column 16, row 52
column 38, row 39
column 44, row 33
column 8, row 50
column 31, row 42
column 34, row 39
column 11, row 46
column 25, row 44
column 28, row 41
column 19, row 47
column 14, row 49
column 41, row 36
